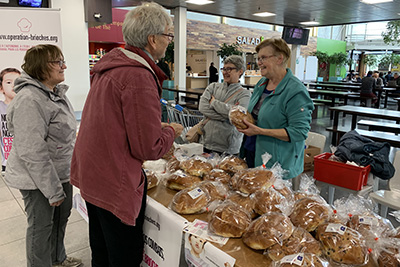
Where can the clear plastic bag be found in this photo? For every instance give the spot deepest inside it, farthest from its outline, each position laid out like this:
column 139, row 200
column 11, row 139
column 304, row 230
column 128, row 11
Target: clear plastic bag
column 299, row 241
column 342, row 244
column 152, row 179
column 218, row 175
column 216, row 190
column 310, row 212
column 197, row 166
column 232, row 164
column 190, row 201
column 180, row 180
column 267, row 230
column 237, row 114
column 244, row 200
column 229, row 220
column 268, row 199
column 301, row 260
column 253, row 179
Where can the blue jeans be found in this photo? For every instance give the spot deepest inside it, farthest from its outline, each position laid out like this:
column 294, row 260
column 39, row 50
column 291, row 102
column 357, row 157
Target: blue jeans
column 46, row 227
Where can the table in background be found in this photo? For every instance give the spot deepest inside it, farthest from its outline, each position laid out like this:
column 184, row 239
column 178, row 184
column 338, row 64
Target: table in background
column 191, row 94
column 362, row 111
column 333, row 94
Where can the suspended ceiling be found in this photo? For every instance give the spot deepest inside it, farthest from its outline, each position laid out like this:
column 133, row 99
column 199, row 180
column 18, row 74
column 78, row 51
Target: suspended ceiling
column 289, row 12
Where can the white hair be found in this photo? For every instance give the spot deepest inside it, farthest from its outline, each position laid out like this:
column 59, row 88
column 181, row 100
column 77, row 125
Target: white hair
column 147, row 19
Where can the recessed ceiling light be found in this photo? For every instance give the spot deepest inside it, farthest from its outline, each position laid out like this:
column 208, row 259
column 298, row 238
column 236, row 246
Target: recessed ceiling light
column 199, row 2
column 264, row 14
column 373, row 2
column 310, row 23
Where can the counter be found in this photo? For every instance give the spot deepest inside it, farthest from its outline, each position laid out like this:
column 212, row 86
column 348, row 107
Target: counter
column 235, row 247
column 252, row 79
column 196, row 82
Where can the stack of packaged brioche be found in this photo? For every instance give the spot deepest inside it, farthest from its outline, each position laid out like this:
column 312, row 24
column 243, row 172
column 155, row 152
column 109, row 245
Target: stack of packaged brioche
column 289, row 228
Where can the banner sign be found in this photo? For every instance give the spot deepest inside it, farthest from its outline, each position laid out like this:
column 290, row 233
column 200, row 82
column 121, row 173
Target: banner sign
column 23, row 28
column 162, row 233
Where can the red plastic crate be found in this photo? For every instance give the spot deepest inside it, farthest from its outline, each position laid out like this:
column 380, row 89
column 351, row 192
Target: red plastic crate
column 340, row 174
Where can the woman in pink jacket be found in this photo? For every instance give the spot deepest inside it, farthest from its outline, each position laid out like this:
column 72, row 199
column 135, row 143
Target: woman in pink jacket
column 120, row 128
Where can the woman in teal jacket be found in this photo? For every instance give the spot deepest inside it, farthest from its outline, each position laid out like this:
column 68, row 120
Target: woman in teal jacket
column 282, row 108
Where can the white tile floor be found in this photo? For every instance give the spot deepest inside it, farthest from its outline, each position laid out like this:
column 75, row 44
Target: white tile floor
column 13, row 227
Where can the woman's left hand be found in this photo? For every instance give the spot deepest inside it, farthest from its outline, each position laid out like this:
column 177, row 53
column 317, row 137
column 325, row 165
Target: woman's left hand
column 251, row 130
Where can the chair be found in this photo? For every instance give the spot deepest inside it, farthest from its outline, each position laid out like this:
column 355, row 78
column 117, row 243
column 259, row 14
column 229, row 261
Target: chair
column 389, row 198
column 313, row 139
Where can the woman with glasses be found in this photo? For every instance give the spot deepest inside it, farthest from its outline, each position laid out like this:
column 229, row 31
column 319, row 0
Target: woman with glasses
column 218, row 98
column 43, row 123
column 282, row 108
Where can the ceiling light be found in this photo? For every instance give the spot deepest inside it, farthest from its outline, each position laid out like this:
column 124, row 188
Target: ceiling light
column 310, row 23
column 373, row 2
column 199, row 2
column 264, row 14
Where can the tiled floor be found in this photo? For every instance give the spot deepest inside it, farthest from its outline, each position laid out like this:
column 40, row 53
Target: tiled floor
column 13, row 220
column 13, row 227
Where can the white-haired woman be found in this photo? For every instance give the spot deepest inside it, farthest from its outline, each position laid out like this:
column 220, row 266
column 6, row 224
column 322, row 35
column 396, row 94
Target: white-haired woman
column 219, row 134
column 282, row 108
column 120, row 128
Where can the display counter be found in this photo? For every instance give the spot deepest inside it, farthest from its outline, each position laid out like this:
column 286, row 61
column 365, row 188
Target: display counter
column 196, row 82
column 252, row 79
column 235, row 247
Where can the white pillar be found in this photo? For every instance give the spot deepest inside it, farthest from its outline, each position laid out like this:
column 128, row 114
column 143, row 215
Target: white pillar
column 180, row 46
column 295, row 53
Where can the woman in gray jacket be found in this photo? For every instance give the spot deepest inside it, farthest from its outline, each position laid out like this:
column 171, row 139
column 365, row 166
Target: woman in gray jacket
column 219, row 134
column 42, row 121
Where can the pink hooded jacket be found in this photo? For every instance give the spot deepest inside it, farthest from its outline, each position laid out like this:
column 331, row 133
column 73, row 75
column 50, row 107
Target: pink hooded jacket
column 120, row 128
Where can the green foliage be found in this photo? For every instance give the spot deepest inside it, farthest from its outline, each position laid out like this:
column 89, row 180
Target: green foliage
column 371, row 60
column 392, row 33
column 387, row 59
column 169, row 53
column 226, row 50
column 339, row 59
column 322, row 56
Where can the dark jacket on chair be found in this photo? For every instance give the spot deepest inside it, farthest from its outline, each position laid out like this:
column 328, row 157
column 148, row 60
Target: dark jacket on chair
column 364, row 151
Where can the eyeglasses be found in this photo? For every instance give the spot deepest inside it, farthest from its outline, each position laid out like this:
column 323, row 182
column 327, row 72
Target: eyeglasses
column 169, row 35
column 263, row 59
column 228, row 69
column 60, row 62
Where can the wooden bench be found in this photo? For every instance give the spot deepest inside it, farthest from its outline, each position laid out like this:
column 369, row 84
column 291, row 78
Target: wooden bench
column 380, row 126
column 393, row 140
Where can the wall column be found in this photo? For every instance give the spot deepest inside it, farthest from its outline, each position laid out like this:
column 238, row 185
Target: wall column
column 295, row 53
column 180, row 46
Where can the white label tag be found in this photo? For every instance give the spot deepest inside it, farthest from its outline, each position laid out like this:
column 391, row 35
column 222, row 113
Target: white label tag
column 336, row 228
column 293, row 259
column 368, row 220
column 195, row 193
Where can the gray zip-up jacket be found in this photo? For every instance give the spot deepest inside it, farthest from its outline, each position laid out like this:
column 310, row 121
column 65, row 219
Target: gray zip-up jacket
column 44, row 129
column 219, row 134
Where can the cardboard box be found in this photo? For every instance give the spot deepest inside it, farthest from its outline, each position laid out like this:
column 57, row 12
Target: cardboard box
column 309, row 154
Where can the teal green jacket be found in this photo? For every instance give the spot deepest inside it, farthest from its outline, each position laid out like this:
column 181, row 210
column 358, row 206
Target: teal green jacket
column 289, row 107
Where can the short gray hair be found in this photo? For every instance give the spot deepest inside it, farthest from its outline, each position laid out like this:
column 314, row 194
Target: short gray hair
column 237, row 61
column 147, row 19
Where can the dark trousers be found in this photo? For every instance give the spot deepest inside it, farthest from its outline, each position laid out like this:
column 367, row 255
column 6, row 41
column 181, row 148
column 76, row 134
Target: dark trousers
column 113, row 243
column 250, row 157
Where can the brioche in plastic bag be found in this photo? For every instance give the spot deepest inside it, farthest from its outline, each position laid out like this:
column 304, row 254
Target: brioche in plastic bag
column 190, row 201
column 236, row 116
column 229, row 220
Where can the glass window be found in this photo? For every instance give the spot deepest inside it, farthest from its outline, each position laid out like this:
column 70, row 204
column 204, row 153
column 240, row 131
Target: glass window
column 248, row 24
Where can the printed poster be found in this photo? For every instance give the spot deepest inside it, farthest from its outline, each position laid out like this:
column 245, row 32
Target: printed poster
column 162, row 236
column 23, row 28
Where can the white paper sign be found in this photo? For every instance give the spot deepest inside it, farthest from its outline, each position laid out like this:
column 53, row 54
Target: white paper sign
column 201, row 253
column 80, row 205
column 23, row 28
column 162, row 233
